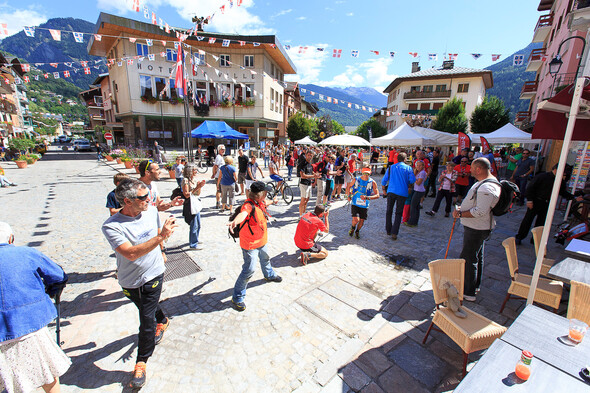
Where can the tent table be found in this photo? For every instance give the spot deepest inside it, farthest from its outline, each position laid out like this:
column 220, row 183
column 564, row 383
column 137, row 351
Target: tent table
column 579, row 249
column 537, row 330
column 494, row 372
column 571, row 269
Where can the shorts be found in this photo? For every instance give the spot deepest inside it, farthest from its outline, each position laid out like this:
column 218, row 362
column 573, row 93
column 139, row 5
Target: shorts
column 461, row 190
column 218, row 185
column 314, row 249
column 339, row 179
column 348, row 178
column 305, row 191
column 360, row 212
column 241, row 177
column 276, row 178
column 329, row 187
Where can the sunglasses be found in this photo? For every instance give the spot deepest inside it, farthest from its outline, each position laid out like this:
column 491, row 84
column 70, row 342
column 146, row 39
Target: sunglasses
column 142, row 197
column 148, row 165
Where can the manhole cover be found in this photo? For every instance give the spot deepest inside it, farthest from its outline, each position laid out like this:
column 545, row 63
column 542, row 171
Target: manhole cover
column 179, row 265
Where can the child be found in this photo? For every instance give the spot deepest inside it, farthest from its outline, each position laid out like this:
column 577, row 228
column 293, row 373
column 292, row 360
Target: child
column 178, row 169
column 112, row 203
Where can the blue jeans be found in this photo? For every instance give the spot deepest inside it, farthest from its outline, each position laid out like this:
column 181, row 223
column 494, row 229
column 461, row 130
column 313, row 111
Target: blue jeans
column 250, row 259
column 179, row 181
column 266, row 161
column 195, row 228
column 290, row 169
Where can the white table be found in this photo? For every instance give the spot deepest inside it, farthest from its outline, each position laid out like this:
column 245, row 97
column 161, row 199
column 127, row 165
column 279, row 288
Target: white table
column 579, row 249
column 571, row 269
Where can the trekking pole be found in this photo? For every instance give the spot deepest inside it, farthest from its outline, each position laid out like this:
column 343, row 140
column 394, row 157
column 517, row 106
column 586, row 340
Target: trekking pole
column 57, row 327
column 450, row 237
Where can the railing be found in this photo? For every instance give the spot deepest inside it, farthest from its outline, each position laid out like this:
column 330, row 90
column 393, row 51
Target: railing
column 537, row 54
column 7, row 106
column 522, row 116
column 544, row 21
column 529, row 87
column 427, row 94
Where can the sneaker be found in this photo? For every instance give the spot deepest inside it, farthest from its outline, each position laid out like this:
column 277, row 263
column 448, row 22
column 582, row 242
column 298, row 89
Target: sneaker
column 356, row 235
column 240, row 306
column 160, row 329
column 276, row 278
column 304, row 258
column 199, row 246
column 138, row 379
column 351, row 232
column 394, row 237
column 469, row 298
column 430, row 213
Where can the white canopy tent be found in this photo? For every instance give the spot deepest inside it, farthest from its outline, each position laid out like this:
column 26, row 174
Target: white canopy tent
column 404, row 135
column 345, row 140
column 505, row 134
column 305, row 141
column 440, row 138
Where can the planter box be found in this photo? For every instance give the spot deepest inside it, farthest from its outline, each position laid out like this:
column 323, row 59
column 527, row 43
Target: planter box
column 21, row 164
column 172, row 174
column 119, row 161
column 109, row 158
column 128, row 164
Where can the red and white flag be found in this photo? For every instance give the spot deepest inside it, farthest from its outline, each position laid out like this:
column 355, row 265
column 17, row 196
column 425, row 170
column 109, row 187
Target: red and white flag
column 98, row 37
column 242, row 43
column 132, row 39
column 179, row 79
column 337, row 53
column 66, row 74
column 154, row 19
column 222, row 9
column 375, row 52
column 3, row 29
column 54, row 65
column 45, row 76
column 87, row 70
column 495, row 57
column 350, row 105
column 56, row 34
column 302, row 49
column 135, row 6
column 129, row 61
column 413, row 54
column 26, row 78
column 212, row 40
column 452, row 56
column 26, row 67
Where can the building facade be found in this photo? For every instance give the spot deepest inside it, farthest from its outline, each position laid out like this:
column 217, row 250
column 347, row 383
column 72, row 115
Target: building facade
column 561, row 20
column 422, row 93
column 237, row 79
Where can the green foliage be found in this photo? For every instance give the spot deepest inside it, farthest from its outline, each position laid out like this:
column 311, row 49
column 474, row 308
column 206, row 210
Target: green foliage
column 326, row 127
column 451, row 117
column 489, row 116
column 299, row 127
column 377, row 129
column 337, row 128
column 21, row 144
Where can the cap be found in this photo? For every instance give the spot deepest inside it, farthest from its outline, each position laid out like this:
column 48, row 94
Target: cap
column 259, row 186
column 366, row 170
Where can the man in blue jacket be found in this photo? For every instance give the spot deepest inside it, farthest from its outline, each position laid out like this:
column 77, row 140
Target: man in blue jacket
column 396, row 182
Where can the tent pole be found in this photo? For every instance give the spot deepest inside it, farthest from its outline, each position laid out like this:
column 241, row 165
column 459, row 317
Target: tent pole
column 569, row 204
column 574, row 109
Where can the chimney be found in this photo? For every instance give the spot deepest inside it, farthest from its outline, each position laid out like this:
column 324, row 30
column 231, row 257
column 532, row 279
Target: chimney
column 448, row 64
column 415, row 67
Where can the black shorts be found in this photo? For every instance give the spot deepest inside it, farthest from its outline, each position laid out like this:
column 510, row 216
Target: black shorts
column 360, row 212
column 461, row 190
column 314, row 249
column 339, row 179
column 329, row 187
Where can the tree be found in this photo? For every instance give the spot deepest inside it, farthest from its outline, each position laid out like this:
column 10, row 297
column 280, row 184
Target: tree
column 326, row 127
column 451, row 117
column 489, row 116
column 298, row 127
column 337, row 128
column 377, row 129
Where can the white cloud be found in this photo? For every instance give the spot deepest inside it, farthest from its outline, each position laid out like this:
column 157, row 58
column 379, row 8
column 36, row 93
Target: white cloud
column 309, row 64
column 16, row 19
column 350, row 14
column 302, row 18
column 283, row 12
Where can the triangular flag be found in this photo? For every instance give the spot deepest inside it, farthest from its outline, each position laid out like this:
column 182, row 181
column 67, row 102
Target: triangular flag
column 452, row 56
column 26, row 78
column 56, row 34
column 167, row 28
column 287, row 47
column 354, row 53
column 163, row 43
column 78, row 37
column 432, row 56
column 151, row 57
column 54, row 65
column 46, row 76
column 68, row 64
column 29, row 31
column 375, row 52
column 495, row 57
column 212, row 40
column 66, row 74
column 132, row 39
column 476, row 55
column 413, row 54
column 149, row 42
column 56, row 75
column 98, row 37
column 391, row 54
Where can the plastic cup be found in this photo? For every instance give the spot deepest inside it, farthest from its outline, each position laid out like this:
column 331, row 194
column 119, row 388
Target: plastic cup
column 577, row 330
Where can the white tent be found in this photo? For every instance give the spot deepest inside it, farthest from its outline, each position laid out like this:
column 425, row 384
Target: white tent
column 345, row 140
column 404, row 135
column 305, row 141
column 440, row 138
column 505, row 134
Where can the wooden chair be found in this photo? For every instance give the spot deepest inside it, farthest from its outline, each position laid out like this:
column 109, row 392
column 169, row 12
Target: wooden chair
column 473, row 333
column 579, row 303
column 547, row 263
column 548, row 291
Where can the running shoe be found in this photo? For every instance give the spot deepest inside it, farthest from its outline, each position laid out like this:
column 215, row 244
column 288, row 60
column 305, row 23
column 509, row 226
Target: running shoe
column 356, row 235
column 304, row 258
column 430, row 213
column 276, row 278
column 138, row 379
column 160, row 329
column 240, row 306
column 351, row 232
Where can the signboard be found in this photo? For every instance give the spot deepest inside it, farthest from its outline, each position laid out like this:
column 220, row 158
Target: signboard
column 247, row 146
column 108, row 136
column 262, row 144
column 110, row 142
column 160, row 134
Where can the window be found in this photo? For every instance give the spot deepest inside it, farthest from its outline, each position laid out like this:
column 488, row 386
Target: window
column 224, row 61
column 173, row 92
column 272, row 99
column 281, row 104
column 200, row 59
column 276, row 101
column 171, row 55
column 425, row 106
column 414, row 89
column 202, row 91
column 142, row 49
column 437, row 105
column 413, row 107
column 212, row 93
column 249, row 61
column 272, row 69
column 440, row 88
column 161, row 88
column 145, row 84
column 427, row 89
column 238, row 92
column 463, row 88
column 249, row 90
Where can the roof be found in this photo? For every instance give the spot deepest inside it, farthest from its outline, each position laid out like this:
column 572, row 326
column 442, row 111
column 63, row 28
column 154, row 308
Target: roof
column 545, row 5
column 440, row 73
column 100, row 77
column 112, row 26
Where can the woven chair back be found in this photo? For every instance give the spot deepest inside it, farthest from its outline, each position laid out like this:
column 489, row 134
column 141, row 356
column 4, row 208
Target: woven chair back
column 537, row 232
column 443, row 271
column 510, row 247
column 579, row 303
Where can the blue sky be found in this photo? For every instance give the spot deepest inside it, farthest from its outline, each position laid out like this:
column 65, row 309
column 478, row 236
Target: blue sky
column 430, row 26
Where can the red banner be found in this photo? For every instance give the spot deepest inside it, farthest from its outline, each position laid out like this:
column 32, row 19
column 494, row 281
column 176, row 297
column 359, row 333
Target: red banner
column 464, row 141
column 484, row 144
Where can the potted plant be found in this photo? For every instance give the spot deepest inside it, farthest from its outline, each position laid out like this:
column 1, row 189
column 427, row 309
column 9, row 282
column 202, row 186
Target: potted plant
column 34, row 157
column 249, row 103
column 126, row 160
column 135, row 164
column 21, row 161
column 226, row 103
column 170, row 168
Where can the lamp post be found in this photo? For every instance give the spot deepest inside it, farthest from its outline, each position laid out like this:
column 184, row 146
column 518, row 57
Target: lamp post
column 556, row 63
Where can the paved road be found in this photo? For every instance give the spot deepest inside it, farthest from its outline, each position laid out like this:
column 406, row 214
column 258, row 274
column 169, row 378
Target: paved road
column 348, row 323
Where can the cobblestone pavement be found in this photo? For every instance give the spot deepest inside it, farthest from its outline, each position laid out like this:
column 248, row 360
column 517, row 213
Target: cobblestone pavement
column 353, row 322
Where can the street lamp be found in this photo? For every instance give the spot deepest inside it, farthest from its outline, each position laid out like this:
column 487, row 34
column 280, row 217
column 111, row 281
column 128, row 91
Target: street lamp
column 556, row 63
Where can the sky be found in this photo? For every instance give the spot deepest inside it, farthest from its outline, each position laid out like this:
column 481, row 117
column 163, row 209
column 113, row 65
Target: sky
column 402, row 26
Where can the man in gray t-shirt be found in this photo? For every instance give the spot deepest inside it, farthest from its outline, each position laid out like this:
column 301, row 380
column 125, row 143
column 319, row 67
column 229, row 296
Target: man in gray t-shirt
column 137, row 236
column 524, row 168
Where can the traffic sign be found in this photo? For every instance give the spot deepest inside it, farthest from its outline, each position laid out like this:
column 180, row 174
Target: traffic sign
column 108, row 136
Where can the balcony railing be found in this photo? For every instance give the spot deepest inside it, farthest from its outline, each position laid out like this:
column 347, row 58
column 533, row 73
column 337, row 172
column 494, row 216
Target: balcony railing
column 529, row 89
column 544, row 21
column 522, row 116
column 543, row 27
column 537, row 54
column 426, row 94
column 7, row 106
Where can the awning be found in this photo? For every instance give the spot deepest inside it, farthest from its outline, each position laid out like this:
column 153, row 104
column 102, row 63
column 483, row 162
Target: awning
column 217, row 130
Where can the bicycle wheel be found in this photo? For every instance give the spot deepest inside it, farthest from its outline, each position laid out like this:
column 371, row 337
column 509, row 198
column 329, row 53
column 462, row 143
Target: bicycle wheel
column 201, row 166
column 287, row 194
column 271, row 194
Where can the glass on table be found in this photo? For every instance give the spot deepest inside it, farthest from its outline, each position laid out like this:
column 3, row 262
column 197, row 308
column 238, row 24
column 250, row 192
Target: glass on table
column 577, row 330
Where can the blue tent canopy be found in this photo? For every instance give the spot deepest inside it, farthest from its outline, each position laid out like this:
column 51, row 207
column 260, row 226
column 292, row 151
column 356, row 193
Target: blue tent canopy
column 216, row 129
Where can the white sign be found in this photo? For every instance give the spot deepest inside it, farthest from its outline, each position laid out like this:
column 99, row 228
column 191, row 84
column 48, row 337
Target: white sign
column 160, row 134
column 109, row 142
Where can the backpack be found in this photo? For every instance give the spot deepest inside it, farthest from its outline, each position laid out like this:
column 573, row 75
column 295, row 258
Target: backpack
column 177, row 192
column 236, row 233
column 508, row 191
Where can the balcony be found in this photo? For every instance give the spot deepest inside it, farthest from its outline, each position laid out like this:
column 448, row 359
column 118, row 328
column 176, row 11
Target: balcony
column 420, row 95
column 543, row 28
column 431, row 112
column 7, row 107
column 529, row 89
column 535, row 59
column 522, row 117
column 579, row 17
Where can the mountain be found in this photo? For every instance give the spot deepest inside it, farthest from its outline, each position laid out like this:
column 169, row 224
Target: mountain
column 341, row 112
column 44, row 49
column 508, row 80
column 367, row 94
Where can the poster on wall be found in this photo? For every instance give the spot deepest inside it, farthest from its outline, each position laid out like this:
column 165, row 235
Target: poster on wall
column 262, row 144
column 160, row 134
column 247, row 145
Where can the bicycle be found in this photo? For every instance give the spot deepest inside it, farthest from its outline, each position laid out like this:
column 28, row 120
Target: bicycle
column 201, row 166
column 285, row 191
